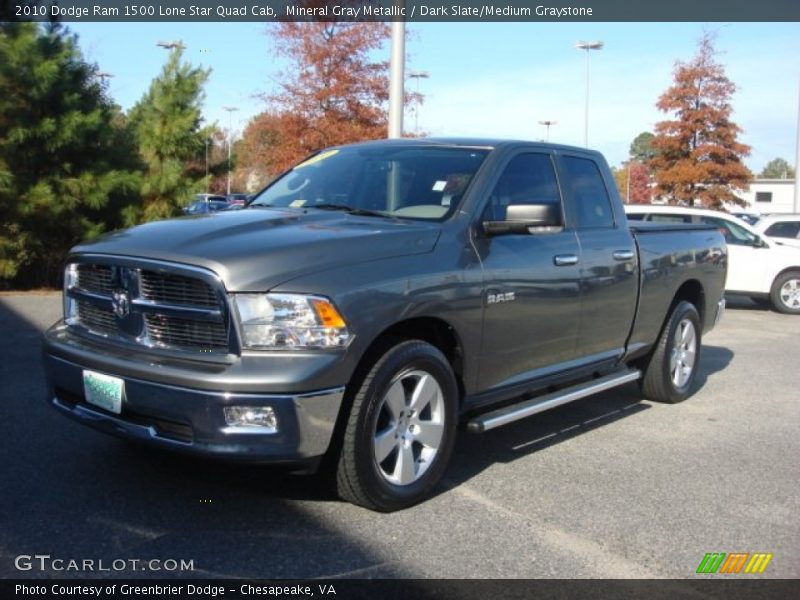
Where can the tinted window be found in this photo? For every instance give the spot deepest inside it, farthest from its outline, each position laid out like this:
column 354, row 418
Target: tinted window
column 636, row 217
column 670, row 219
column 588, row 193
column 734, row 234
column 527, row 179
column 785, row 229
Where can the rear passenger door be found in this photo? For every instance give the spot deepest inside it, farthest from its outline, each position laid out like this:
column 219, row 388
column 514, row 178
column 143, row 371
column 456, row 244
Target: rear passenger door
column 609, row 263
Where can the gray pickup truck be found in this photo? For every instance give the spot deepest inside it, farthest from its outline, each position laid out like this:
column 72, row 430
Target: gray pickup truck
column 374, row 300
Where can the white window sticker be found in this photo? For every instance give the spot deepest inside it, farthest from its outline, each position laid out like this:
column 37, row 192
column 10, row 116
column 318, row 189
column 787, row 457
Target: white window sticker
column 439, row 186
column 297, row 203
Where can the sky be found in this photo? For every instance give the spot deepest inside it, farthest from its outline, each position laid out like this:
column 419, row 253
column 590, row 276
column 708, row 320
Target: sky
column 498, row 79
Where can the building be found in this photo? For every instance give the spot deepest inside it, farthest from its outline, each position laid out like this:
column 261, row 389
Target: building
column 769, row 196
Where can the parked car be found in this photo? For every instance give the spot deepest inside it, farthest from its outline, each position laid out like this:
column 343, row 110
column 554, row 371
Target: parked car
column 205, row 206
column 760, row 267
column 236, row 201
column 749, row 218
column 373, row 297
column 781, row 228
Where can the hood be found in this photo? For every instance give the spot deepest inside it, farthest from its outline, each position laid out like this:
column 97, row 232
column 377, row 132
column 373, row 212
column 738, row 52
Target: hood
column 258, row 248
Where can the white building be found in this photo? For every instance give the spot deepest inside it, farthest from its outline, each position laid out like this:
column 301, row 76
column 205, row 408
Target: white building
column 769, row 196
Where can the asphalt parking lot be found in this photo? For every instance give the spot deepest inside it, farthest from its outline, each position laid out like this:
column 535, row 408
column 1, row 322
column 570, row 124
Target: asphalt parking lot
column 610, row 486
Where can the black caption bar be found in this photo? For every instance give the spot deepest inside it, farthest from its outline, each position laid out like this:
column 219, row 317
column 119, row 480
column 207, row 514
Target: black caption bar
column 388, row 589
column 397, row 10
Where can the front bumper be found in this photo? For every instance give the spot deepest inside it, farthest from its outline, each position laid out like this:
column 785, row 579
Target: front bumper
column 192, row 420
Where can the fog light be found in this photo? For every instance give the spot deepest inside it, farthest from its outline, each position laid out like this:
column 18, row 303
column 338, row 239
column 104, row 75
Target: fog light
column 255, row 419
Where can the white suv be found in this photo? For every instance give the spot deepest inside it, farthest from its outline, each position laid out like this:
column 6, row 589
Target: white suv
column 782, row 228
column 758, row 266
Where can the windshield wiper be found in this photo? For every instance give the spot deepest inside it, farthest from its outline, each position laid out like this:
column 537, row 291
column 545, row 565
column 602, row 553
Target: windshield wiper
column 352, row 210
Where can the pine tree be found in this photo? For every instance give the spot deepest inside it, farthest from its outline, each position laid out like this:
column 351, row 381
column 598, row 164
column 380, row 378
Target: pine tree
column 66, row 163
column 167, row 128
column 699, row 157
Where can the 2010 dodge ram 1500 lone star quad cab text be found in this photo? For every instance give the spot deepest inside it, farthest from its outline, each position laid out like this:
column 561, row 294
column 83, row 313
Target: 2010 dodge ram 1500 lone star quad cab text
column 373, row 298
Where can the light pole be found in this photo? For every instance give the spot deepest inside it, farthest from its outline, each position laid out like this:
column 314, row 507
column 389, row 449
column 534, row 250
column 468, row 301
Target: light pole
column 231, row 110
column 547, row 124
column 417, row 75
column 797, row 160
column 207, row 141
column 587, row 46
column 396, row 80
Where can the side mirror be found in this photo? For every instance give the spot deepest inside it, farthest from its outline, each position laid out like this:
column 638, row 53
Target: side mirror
column 520, row 218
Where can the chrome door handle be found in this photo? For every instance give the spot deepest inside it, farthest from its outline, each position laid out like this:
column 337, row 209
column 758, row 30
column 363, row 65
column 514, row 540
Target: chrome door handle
column 565, row 260
column 623, row 255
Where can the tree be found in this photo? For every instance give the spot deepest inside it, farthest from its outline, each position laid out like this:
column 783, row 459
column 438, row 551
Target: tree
column 332, row 92
column 638, row 185
column 67, row 165
column 166, row 122
column 777, row 168
column 698, row 156
column 642, row 147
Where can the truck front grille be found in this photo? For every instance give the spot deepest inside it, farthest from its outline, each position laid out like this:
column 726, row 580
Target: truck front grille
column 96, row 319
column 95, row 278
column 185, row 333
column 165, row 307
column 176, row 289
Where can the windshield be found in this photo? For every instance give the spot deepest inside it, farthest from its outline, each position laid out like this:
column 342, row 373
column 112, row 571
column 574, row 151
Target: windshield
column 417, row 182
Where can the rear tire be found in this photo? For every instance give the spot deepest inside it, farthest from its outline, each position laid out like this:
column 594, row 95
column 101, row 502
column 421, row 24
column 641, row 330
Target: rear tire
column 401, row 429
column 785, row 294
column 672, row 367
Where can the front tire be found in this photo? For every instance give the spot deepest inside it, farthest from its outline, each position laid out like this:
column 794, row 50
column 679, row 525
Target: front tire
column 672, row 368
column 400, row 432
column 785, row 294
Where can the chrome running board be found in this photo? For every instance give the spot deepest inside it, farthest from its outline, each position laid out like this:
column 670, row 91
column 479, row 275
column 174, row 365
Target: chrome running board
column 526, row 408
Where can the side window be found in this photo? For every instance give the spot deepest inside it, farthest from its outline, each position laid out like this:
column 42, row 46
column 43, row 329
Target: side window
column 734, row 234
column 588, row 193
column 670, row 219
column 784, row 229
column 528, row 179
column 636, row 217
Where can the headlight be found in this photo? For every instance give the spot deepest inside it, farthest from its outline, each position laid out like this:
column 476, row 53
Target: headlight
column 289, row 321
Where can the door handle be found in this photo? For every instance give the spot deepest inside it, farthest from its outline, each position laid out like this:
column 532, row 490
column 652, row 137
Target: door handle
column 565, row 260
column 623, row 255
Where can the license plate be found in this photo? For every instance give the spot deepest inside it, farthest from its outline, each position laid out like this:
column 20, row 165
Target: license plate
column 104, row 391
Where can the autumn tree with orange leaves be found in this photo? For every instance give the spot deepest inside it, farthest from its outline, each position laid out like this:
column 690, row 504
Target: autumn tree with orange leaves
column 332, row 92
column 698, row 156
column 633, row 183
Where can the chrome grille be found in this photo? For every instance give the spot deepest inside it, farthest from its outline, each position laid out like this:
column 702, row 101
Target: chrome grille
column 95, row 278
column 186, row 333
column 176, row 289
column 96, row 319
column 167, row 308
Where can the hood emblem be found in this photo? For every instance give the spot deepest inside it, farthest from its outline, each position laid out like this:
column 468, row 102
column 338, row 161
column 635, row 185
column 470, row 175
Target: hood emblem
column 121, row 304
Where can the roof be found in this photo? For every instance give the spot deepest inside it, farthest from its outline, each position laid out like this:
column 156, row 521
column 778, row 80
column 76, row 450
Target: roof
column 473, row 142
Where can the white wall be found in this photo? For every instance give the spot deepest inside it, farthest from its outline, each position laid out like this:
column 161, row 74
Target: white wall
column 780, row 191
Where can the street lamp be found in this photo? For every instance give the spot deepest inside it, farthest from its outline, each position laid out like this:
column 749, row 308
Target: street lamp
column 207, row 142
column 547, row 124
column 417, row 75
column 596, row 45
column 231, row 110
column 170, row 45
column 397, row 65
